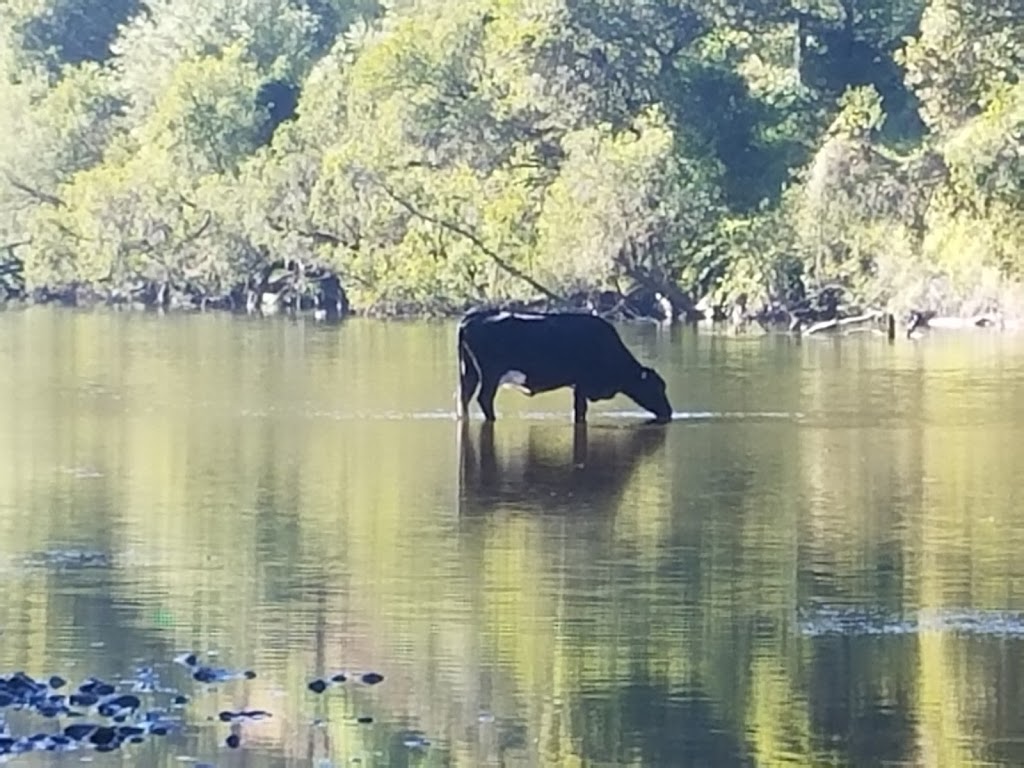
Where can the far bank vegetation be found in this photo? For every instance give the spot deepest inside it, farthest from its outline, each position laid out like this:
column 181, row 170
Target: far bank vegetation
column 769, row 159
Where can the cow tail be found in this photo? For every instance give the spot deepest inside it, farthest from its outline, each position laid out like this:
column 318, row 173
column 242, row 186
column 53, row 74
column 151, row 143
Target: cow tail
column 466, row 356
column 460, row 343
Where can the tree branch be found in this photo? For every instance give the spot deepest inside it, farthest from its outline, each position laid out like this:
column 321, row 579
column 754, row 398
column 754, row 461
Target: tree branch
column 38, row 194
column 9, row 247
column 459, row 230
column 316, row 235
column 198, row 233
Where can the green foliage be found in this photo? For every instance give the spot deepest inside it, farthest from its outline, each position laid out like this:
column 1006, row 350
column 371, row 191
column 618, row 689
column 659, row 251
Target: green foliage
column 438, row 154
column 206, row 120
column 860, row 113
column 624, row 204
column 967, row 52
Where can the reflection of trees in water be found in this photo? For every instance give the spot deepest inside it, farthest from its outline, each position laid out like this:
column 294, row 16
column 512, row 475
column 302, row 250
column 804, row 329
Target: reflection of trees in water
column 652, row 722
column 635, row 607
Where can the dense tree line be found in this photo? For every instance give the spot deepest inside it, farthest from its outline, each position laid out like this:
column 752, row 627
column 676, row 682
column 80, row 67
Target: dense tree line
column 433, row 154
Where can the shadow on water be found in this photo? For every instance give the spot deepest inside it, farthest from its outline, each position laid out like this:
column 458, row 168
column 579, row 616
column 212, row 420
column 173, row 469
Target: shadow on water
column 579, row 468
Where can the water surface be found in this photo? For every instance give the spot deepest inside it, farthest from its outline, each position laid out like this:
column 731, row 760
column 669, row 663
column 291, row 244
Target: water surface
column 817, row 562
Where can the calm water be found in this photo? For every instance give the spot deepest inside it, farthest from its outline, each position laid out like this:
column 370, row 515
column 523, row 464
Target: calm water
column 819, row 562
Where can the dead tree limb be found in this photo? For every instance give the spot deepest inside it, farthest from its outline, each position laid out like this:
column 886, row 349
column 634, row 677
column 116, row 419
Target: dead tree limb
column 459, row 230
column 825, row 325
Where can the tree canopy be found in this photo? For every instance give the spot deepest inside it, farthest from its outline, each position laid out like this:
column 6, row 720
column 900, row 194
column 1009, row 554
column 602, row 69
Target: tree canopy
column 435, row 154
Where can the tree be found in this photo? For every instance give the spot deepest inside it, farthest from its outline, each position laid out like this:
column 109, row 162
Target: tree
column 966, row 52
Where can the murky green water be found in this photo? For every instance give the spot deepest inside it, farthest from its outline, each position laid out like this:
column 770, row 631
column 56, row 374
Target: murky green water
column 819, row 562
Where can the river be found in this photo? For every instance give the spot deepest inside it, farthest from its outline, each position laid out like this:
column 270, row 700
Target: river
column 816, row 563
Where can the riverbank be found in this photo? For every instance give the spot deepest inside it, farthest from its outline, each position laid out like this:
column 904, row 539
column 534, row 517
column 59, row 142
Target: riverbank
column 824, row 315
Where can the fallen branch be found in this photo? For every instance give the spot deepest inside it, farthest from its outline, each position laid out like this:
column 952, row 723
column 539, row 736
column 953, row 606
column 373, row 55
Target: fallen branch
column 921, row 319
column 825, row 325
column 472, row 238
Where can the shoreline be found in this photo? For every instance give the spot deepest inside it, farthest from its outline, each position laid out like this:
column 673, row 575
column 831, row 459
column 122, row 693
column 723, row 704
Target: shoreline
column 775, row 320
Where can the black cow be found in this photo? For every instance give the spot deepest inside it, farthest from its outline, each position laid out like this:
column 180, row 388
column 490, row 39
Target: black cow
column 542, row 352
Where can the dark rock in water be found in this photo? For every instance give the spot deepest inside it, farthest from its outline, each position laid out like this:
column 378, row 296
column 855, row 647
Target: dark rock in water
column 339, row 678
column 130, row 730
column 6, row 700
column 120, row 706
column 57, row 682
column 318, row 686
column 124, row 701
column 233, row 741
column 79, row 731
column 215, row 675
column 51, row 708
column 21, row 687
column 180, row 699
column 227, row 716
column 365, row 719
column 83, row 699
column 96, row 687
column 103, row 735
column 372, row 678
column 205, row 675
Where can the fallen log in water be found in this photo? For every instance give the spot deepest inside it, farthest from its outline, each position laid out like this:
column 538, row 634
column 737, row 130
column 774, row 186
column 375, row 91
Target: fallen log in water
column 843, row 322
column 928, row 319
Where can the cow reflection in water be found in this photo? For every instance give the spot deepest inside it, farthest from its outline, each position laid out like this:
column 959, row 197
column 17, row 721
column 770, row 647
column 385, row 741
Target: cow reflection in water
column 551, row 470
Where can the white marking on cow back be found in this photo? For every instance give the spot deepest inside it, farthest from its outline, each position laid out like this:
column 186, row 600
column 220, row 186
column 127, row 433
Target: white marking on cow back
column 515, row 379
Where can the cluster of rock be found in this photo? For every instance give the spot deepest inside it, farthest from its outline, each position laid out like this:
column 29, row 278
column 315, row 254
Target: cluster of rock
column 104, row 716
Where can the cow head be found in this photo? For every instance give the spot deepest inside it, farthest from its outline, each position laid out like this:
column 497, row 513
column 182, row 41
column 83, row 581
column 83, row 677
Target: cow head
column 648, row 390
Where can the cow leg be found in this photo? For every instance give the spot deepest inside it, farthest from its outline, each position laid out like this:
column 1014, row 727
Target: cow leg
column 579, row 406
column 488, row 390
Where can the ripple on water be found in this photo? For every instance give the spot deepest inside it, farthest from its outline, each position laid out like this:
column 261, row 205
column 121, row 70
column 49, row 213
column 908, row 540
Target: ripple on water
column 442, row 415
column 826, row 621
